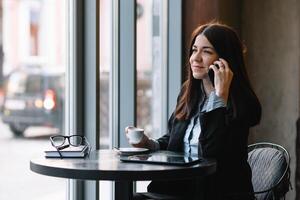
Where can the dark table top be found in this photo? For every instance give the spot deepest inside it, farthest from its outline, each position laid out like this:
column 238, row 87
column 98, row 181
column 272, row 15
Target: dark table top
column 105, row 165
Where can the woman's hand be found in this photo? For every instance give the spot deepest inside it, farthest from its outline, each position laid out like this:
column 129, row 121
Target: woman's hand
column 223, row 78
column 143, row 143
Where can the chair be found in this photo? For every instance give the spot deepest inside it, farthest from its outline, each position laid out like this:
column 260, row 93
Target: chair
column 270, row 170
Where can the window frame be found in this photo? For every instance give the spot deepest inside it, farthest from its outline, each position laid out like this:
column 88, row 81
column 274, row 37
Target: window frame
column 82, row 77
column 82, row 80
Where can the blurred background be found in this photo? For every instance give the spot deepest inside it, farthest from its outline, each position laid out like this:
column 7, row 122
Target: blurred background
column 33, row 54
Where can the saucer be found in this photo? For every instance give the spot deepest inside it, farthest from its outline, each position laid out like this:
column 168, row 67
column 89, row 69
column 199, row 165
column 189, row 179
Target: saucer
column 131, row 150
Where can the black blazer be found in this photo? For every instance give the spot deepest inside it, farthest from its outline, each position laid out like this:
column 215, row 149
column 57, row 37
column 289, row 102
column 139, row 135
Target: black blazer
column 221, row 138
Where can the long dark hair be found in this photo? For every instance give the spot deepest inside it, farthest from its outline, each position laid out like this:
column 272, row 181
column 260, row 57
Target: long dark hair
column 242, row 101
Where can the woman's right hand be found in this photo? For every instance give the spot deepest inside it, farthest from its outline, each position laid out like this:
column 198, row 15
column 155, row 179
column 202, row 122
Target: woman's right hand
column 223, row 78
column 143, row 143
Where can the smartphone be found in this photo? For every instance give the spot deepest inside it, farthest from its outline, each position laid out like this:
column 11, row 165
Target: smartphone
column 211, row 75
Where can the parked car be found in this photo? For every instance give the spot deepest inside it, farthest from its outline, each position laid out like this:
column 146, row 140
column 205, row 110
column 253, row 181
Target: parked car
column 33, row 97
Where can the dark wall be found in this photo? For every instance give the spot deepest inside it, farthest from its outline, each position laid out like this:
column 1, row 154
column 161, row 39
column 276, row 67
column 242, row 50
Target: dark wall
column 197, row 12
column 270, row 30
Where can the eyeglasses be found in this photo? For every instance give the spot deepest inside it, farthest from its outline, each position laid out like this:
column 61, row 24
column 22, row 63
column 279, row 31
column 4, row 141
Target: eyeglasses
column 58, row 141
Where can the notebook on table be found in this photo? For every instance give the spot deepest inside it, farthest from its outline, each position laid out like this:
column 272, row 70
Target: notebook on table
column 163, row 157
column 69, row 152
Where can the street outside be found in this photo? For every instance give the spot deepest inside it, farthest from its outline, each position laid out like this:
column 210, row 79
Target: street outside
column 17, row 181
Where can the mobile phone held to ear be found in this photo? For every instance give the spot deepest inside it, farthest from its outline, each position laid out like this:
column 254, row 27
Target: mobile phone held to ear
column 211, row 75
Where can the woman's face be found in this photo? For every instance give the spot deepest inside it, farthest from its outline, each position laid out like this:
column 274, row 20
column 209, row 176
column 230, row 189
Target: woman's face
column 203, row 55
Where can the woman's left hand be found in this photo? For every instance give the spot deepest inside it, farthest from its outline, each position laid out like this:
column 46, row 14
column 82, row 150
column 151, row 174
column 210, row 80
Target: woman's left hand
column 223, row 78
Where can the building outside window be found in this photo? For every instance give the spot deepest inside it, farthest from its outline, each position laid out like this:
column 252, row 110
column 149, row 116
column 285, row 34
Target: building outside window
column 32, row 85
column 33, row 42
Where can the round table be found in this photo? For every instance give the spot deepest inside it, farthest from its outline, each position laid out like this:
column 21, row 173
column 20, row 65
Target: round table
column 106, row 165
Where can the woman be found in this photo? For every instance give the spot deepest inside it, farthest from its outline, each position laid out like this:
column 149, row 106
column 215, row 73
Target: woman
column 212, row 118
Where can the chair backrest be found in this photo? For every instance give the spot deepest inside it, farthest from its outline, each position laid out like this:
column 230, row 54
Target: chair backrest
column 270, row 170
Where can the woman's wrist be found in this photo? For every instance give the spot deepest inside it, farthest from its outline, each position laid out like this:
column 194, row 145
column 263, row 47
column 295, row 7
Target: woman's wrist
column 152, row 144
column 223, row 95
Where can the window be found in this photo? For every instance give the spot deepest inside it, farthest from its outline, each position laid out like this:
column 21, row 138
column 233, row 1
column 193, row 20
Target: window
column 105, row 68
column 106, row 23
column 32, row 46
column 150, row 46
column 134, row 81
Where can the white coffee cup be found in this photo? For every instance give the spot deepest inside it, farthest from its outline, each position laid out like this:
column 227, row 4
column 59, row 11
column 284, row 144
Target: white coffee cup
column 134, row 135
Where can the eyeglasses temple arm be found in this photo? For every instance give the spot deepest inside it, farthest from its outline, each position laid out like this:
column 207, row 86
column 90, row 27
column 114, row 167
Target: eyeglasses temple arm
column 57, row 149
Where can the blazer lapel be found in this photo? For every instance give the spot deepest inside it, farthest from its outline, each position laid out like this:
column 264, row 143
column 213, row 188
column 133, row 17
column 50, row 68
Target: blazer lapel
column 177, row 135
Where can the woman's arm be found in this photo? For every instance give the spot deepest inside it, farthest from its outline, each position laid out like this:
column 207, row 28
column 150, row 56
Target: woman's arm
column 213, row 136
column 164, row 140
column 152, row 144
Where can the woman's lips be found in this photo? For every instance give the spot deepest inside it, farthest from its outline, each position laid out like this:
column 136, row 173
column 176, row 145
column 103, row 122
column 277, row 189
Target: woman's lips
column 198, row 67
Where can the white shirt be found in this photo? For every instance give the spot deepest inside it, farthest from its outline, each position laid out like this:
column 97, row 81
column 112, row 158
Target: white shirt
column 193, row 131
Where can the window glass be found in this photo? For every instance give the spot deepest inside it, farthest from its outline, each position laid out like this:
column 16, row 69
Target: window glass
column 15, row 84
column 105, row 68
column 149, row 66
column 32, row 47
column 144, row 65
column 105, row 71
column 149, row 59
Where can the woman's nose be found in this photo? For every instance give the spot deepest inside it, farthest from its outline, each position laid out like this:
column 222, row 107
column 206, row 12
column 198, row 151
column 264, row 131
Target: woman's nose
column 196, row 57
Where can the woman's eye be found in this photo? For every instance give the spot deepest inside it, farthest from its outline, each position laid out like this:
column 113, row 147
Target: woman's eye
column 194, row 50
column 208, row 52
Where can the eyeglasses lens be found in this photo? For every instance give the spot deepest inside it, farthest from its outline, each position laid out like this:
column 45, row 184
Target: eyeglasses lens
column 75, row 140
column 58, row 141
